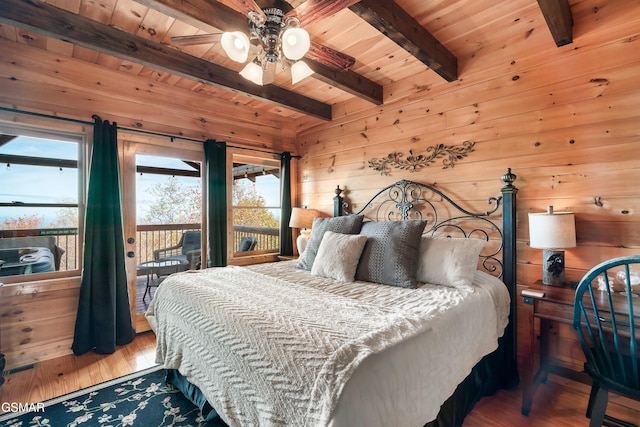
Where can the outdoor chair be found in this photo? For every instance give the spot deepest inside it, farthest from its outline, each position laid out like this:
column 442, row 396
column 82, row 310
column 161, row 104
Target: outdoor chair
column 188, row 249
column 247, row 243
column 607, row 319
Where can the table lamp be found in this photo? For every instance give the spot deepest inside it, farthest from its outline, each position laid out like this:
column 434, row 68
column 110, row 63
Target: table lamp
column 553, row 232
column 302, row 219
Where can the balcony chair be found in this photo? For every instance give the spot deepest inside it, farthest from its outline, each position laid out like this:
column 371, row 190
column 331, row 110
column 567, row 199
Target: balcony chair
column 607, row 319
column 247, row 243
column 187, row 249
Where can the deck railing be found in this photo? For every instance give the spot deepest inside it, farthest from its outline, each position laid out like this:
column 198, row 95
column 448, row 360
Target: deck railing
column 148, row 238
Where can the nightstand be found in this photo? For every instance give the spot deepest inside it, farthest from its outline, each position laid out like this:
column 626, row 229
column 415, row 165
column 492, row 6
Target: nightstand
column 548, row 304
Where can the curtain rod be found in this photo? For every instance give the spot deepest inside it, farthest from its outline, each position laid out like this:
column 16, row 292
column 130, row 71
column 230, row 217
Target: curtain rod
column 163, row 135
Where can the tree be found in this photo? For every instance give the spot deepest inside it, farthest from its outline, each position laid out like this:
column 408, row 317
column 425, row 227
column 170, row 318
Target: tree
column 174, row 204
column 23, row 222
column 249, row 206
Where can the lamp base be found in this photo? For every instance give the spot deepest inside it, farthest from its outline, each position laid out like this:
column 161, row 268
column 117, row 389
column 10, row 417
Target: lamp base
column 302, row 240
column 553, row 268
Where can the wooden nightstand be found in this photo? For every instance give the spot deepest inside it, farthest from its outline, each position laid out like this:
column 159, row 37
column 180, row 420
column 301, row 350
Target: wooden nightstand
column 554, row 304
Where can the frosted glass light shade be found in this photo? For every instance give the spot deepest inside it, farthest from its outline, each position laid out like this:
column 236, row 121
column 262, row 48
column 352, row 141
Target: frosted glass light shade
column 299, row 71
column 252, row 72
column 236, row 45
column 552, row 230
column 295, row 43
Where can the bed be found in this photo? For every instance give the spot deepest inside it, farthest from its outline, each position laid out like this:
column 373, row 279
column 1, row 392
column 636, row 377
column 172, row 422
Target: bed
column 381, row 321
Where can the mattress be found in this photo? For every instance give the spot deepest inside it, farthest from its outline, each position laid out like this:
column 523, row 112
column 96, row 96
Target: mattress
column 398, row 379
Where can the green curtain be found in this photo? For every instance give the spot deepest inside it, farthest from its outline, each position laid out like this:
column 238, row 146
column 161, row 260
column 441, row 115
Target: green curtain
column 286, row 237
column 215, row 157
column 104, row 317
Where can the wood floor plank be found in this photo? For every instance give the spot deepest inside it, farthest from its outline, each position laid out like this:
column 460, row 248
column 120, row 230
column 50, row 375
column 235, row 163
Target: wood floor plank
column 559, row 402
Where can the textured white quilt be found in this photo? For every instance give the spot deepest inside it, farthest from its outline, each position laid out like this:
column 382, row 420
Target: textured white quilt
column 271, row 345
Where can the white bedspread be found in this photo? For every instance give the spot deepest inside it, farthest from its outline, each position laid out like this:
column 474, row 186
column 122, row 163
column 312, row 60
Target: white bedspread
column 273, row 345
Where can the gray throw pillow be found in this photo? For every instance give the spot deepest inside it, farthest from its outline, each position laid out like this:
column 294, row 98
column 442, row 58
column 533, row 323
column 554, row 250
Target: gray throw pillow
column 391, row 254
column 349, row 224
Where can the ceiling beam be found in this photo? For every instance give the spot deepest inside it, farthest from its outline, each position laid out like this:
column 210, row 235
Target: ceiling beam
column 559, row 19
column 395, row 23
column 34, row 15
column 348, row 81
column 213, row 17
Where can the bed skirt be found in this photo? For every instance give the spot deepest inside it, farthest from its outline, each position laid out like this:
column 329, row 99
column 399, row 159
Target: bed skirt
column 486, row 378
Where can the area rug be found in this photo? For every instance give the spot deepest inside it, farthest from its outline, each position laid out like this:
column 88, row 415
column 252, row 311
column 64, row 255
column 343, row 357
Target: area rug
column 141, row 399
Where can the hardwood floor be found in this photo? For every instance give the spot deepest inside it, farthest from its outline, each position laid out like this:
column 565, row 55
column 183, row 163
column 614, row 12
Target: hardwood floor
column 558, row 403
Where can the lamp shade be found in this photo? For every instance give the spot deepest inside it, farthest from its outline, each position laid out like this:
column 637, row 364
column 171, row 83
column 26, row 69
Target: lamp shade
column 299, row 71
column 252, row 72
column 295, row 43
column 236, row 45
column 302, row 218
column 552, row 230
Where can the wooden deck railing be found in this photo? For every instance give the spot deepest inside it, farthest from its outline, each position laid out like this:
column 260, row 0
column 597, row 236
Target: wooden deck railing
column 148, row 238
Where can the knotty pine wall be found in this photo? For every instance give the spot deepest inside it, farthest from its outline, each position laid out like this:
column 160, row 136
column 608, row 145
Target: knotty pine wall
column 566, row 120
column 37, row 318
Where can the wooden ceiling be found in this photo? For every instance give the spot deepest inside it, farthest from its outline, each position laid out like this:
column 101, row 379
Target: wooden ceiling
column 425, row 41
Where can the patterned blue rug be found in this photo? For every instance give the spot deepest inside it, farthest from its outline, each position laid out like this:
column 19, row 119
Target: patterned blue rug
column 140, row 399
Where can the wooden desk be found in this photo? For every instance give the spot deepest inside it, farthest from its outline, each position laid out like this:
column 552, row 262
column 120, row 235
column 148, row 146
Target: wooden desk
column 555, row 306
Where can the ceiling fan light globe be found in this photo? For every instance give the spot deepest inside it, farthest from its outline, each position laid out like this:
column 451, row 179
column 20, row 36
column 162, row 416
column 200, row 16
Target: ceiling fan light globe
column 295, row 43
column 299, row 71
column 252, row 72
column 236, row 45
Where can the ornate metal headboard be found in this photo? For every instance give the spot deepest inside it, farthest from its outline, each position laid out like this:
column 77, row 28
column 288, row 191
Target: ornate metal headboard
column 445, row 217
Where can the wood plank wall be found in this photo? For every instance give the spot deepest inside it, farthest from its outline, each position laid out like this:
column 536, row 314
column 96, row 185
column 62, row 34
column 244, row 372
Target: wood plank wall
column 564, row 119
column 37, row 318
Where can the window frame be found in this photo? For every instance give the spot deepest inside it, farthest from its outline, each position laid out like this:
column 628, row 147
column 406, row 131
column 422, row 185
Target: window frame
column 80, row 135
column 235, row 155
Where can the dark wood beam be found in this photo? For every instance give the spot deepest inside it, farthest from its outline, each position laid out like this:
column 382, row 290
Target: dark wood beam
column 395, row 23
column 152, row 170
column 559, row 19
column 43, row 18
column 4, row 139
column 348, row 81
column 206, row 15
column 14, row 159
column 209, row 16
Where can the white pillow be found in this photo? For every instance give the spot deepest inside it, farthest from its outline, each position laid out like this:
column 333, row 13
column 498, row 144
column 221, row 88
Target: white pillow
column 338, row 256
column 448, row 261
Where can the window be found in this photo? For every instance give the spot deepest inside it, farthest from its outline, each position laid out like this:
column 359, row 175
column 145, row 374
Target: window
column 255, row 204
column 41, row 199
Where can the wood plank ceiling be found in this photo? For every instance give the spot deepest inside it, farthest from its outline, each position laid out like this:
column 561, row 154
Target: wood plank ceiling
column 390, row 41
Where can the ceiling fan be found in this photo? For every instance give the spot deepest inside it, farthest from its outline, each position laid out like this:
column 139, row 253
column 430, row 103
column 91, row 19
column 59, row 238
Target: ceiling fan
column 274, row 35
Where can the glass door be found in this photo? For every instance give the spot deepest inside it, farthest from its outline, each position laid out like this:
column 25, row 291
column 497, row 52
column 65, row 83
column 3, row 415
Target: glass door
column 162, row 208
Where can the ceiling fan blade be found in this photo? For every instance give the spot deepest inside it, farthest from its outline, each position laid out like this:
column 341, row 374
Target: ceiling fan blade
column 330, row 57
column 196, row 39
column 245, row 6
column 314, row 10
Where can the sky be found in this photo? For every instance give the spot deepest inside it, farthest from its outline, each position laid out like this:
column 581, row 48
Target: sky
column 23, row 183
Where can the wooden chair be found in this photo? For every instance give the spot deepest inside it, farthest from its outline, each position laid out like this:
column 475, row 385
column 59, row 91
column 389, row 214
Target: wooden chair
column 607, row 319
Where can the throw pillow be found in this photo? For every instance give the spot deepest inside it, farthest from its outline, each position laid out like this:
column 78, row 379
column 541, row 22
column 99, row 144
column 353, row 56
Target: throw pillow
column 338, row 256
column 349, row 224
column 391, row 253
column 449, row 261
